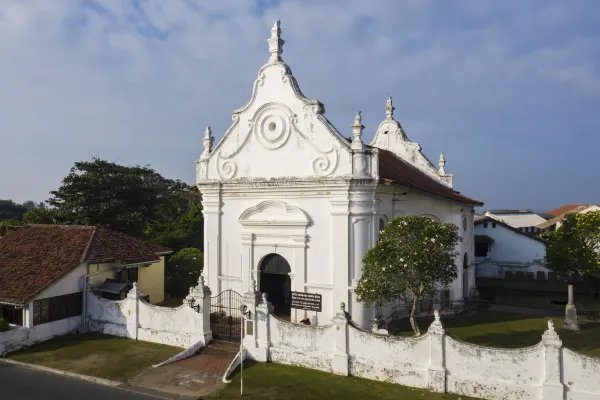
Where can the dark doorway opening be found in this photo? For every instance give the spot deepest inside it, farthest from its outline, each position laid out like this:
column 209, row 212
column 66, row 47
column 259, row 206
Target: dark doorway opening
column 275, row 282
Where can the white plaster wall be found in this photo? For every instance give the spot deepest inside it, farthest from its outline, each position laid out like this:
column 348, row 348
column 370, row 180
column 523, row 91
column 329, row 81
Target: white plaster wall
column 49, row 330
column 509, row 245
column 172, row 326
column 493, row 373
column 310, row 263
column 71, row 282
column 434, row 360
column 402, row 360
column 301, row 345
column 13, row 339
column 107, row 316
column 393, row 202
column 581, row 375
column 278, row 127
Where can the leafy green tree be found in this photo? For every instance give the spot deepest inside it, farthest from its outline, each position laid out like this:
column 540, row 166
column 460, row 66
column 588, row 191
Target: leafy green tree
column 9, row 210
column 40, row 216
column 573, row 249
column 414, row 258
column 184, row 230
column 183, row 270
column 129, row 199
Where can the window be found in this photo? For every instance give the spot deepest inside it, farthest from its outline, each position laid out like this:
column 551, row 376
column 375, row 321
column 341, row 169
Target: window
column 465, row 223
column 130, row 275
column 381, row 224
column 12, row 315
column 481, row 249
column 485, row 224
column 57, row 308
column 493, row 224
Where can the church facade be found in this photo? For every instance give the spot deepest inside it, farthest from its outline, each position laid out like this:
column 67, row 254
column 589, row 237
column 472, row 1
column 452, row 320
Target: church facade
column 291, row 204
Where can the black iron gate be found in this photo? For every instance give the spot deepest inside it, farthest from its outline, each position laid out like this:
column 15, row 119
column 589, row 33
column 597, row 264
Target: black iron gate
column 226, row 316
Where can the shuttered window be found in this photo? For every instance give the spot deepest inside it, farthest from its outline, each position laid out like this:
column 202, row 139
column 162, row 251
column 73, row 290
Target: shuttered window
column 57, row 308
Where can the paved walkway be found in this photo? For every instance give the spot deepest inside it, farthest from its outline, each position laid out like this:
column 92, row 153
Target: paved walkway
column 198, row 375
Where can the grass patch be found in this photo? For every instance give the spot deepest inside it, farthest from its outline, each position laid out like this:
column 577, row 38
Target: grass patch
column 98, row 355
column 505, row 330
column 277, row 381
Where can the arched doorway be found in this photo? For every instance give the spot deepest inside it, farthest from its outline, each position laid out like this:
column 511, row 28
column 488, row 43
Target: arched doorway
column 275, row 282
column 465, row 276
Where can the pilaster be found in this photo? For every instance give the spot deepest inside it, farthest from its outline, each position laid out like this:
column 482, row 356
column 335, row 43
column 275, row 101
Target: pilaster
column 552, row 386
column 340, row 346
column 436, row 372
column 340, row 262
column 133, row 297
column 211, row 209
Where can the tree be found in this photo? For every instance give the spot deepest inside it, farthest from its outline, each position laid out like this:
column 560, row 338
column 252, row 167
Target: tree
column 184, row 230
column 183, row 270
column 573, row 249
column 40, row 216
column 9, row 210
column 414, row 258
column 128, row 199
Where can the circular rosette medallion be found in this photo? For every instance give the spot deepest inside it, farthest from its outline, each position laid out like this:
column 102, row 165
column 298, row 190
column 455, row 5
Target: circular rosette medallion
column 272, row 127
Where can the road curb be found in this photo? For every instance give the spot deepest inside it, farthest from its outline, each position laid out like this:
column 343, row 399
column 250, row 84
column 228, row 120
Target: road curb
column 88, row 378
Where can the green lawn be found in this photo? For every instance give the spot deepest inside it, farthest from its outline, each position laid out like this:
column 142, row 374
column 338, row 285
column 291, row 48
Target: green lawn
column 497, row 329
column 276, row 381
column 98, row 355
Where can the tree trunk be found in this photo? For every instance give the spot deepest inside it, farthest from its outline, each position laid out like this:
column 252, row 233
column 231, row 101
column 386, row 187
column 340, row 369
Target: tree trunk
column 413, row 321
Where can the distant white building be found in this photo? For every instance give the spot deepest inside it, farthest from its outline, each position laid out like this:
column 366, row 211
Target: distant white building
column 292, row 204
column 499, row 248
column 523, row 220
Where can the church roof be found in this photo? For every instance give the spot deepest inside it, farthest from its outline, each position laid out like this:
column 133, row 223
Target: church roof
column 395, row 170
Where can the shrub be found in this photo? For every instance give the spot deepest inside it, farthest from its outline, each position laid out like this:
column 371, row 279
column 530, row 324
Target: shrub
column 3, row 325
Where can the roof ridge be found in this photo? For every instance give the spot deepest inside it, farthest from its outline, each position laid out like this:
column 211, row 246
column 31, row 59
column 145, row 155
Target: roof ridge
column 86, row 251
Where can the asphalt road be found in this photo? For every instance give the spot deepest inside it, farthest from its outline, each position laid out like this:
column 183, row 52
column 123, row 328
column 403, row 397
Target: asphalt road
column 20, row 383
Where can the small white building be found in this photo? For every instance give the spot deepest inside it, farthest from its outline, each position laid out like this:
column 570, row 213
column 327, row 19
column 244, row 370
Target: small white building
column 500, row 247
column 523, row 220
column 292, row 204
column 45, row 268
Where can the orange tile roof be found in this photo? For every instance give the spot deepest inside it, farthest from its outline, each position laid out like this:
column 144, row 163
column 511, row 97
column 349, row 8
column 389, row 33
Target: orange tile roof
column 34, row 256
column 395, row 170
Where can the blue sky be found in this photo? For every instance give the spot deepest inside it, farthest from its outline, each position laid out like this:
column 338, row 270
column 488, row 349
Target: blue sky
column 508, row 90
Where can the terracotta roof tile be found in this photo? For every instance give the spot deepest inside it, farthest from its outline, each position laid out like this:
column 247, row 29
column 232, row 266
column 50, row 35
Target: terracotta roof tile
column 560, row 217
column 568, row 208
column 34, row 256
column 395, row 170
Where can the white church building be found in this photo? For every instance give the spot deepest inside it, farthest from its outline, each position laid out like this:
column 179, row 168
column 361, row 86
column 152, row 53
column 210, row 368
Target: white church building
column 291, row 204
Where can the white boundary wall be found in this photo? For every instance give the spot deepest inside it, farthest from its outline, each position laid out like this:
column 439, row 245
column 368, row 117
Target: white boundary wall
column 135, row 319
column 434, row 361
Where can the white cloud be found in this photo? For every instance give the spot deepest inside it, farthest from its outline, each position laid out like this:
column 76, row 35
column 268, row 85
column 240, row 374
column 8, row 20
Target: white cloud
column 139, row 83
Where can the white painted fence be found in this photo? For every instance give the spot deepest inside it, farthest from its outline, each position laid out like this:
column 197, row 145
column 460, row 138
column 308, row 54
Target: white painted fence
column 134, row 318
column 434, row 361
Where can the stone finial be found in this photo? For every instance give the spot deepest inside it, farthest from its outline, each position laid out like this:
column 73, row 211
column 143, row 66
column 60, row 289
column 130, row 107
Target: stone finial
column 357, row 131
column 442, row 164
column 264, row 298
column 343, row 306
column 208, row 142
column 436, row 326
column 201, row 280
column 550, row 337
column 389, row 109
column 275, row 43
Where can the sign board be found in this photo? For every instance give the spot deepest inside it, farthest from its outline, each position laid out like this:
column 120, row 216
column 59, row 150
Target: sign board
column 306, row 301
